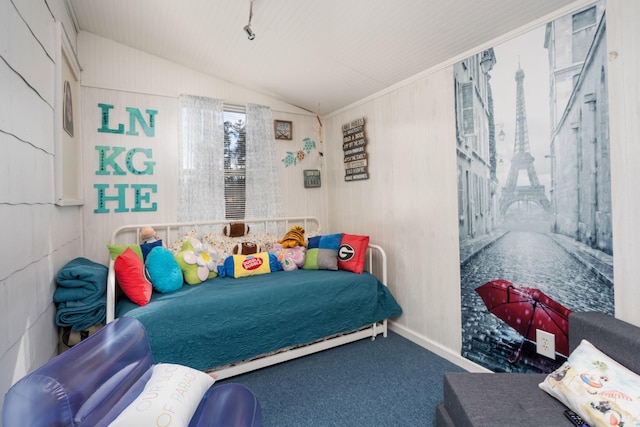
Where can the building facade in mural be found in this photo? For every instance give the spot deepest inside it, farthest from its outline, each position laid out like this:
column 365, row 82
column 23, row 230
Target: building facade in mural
column 534, row 184
column 579, row 149
column 475, row 145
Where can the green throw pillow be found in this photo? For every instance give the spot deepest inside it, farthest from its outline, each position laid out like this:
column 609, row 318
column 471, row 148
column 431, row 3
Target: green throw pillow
column 117, row 250
column 197, row 261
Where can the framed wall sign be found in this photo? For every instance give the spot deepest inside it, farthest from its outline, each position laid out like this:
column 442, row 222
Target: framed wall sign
column 282, row 129
column 311, row 178
column 354, row 145
column 67, row 134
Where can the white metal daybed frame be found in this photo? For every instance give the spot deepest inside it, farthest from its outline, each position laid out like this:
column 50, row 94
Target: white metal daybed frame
column 376, row 264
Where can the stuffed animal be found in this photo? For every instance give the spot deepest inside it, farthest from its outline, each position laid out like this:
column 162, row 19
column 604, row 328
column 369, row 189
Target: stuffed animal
column 290, row 258
column 148, row 235
column 294, row 237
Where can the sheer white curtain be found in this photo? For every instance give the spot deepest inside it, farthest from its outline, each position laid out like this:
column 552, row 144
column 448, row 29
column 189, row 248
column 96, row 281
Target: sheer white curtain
column 201, row 159
column 263, row 197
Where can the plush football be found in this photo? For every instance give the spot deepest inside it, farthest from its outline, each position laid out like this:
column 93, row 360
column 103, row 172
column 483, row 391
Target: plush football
column 246, row 248
column 236, row 229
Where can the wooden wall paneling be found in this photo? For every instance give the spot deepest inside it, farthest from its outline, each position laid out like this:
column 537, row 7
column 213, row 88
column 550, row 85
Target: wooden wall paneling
column 162, row 147
column 27, row 227
column 18, row 162
column 26, row 115
column 623, row 45
column 297, row 200
column 28, row 58
column 410, row 199
column 58, row 11
column 107, row 64
column 38, row 18
column 42, row 237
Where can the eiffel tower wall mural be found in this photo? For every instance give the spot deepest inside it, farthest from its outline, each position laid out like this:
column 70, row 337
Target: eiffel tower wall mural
column 534, row 179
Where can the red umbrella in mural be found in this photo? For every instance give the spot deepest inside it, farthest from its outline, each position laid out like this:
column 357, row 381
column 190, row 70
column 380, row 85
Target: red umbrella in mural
column 526, row 309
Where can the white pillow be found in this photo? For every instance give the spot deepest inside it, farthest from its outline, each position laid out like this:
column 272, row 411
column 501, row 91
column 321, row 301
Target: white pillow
column 170, row 398
column 596, row 387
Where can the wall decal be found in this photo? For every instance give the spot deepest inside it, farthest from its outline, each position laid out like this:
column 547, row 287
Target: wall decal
column 135, row 116
column 534, row 180
column 120, row 161
column 292, row 158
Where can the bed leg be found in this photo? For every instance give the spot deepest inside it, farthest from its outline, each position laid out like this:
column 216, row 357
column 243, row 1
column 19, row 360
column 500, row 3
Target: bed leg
column 375, row 331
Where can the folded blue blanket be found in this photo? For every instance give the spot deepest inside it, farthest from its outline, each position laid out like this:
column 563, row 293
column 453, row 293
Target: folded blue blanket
column 81, row 280
column 81, row 294
column 81, row 317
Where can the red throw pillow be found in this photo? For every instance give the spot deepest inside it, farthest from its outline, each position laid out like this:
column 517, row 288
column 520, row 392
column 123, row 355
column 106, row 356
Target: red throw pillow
column 352, row 252
column 129, row 269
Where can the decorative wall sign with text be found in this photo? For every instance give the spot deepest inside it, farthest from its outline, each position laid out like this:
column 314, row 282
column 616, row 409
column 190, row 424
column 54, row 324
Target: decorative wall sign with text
column 283, row 129
column 311, row 178
column 120, row 161
column 354, row 145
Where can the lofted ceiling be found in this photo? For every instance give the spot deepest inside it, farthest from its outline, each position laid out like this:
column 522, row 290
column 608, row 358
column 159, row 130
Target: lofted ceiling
column 319, row 55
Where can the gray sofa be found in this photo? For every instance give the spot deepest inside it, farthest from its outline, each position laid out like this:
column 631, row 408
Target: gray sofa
column 510, row 399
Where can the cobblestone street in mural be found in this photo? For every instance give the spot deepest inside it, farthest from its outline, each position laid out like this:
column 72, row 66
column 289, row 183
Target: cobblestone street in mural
column 534, row 259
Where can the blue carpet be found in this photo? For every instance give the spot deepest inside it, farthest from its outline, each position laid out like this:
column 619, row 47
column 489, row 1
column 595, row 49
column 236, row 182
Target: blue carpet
column 387, row 382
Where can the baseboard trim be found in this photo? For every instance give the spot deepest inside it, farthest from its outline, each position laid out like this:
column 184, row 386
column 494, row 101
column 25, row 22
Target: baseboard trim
column 437, row 348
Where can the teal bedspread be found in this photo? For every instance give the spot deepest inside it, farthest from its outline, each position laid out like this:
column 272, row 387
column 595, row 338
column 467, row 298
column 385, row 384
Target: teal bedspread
column 225, row 320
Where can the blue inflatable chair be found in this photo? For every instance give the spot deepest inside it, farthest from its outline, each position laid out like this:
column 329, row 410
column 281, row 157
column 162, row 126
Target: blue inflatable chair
column 95, row 381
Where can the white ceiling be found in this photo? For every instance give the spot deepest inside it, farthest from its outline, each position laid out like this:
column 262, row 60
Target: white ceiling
column 320, row 55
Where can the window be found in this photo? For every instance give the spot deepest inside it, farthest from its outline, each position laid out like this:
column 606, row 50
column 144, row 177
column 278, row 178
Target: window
column 228, row 168
column 476, row 188
column 468, row 124
column 235, row 134
column 460, row 195
column 584, row 27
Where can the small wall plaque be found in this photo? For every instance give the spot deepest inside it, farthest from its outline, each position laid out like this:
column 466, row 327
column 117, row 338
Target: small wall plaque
column 282, row 129
column 311, row 178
